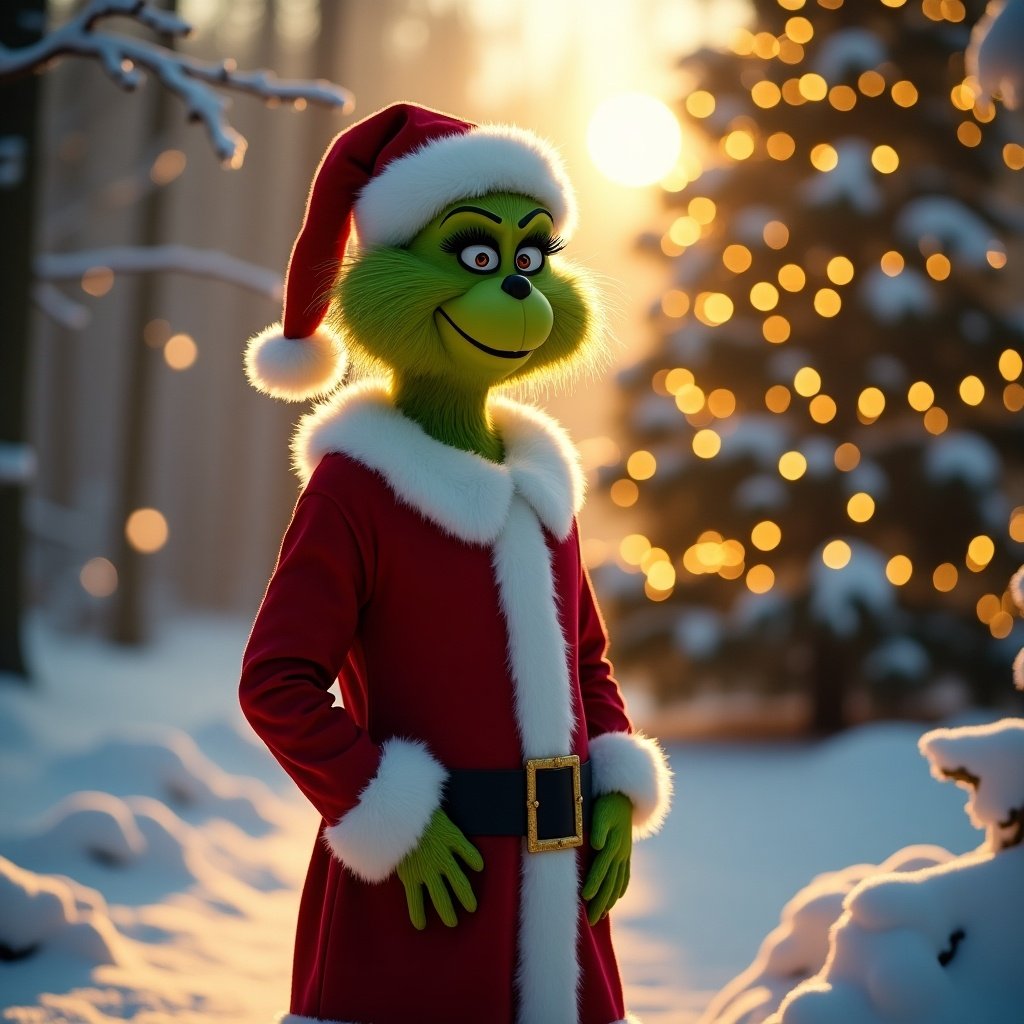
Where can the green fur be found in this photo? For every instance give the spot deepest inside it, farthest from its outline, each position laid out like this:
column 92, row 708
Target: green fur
column 385, row 304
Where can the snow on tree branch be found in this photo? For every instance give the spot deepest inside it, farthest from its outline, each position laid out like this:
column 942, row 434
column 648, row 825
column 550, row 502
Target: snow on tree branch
column 127, row 259
column 190, row 79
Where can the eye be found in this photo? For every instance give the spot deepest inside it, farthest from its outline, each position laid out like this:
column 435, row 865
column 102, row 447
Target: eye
column 480, row 258
column 529, row 259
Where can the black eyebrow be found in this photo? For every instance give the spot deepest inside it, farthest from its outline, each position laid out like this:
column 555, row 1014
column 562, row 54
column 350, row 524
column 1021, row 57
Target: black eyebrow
column 475, row 209
column 533, row 213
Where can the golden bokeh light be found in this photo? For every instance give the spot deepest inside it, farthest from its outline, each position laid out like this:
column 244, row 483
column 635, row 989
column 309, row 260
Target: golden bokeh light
column 789, row 51
column 847, row 457
column 904, row 93
column 792, row 277
column 180, row 352
column 836, row 554
column 652, row 556
column 1016, row 525
column 624, row 493
column 823, row 409
column 1001, row 625
column 713, row 308
column 1013, row 397
column 972, row 390
column 813, row 87
column 936, row 420
column 764, row 296
column 840, row 270
column 721, row 403
column 700, row 104
column 766, row 94
column 938, row 266
column 791, row 5
column 996, row 259
column 690, row 399
column 737, row 258
column 920, row 396
column 706, row 444
column 678, row 378
column 1013, row 156
column 792, row 465
column 766, row 46
column 641, row 465
column 884, row 159
column 827, row 302
column 760, row 579
column 945, row 577
column 633, row 548
column 871, row 403
column 807, row 381
column 842, row 97
column 777, row 398
column 98, row 577
column 675, row 303
column 871, row 83
column 861, row 507
column 146, row 530
column 167, row 166
column 892, row 263
column 766, row 535
column 780, row 145
column 987, row 608
column 634, row 139
column 1010, row 364
column 776, row 329
column 969, row 134
column 980, row 552
column 898, row 570
column 775, row 234
column 684, row 231
column 738, row 144
column 661, row 576
column 97, row 281
column 799, row 29
column 702, row 209
column 824, row 157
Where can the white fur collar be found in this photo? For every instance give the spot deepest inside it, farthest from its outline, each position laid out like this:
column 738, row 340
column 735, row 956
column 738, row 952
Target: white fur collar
column 463, row 493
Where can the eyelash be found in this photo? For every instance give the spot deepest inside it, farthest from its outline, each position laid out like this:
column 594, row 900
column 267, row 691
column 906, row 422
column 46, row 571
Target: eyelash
column 548, row 244
column 468, row 236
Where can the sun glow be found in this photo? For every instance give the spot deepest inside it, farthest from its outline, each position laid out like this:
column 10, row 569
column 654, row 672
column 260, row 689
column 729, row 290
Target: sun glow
column 634, row 139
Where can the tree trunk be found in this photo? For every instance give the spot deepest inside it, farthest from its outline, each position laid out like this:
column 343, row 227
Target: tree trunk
column 829, row 683
column 21, row 24
column 128, row 624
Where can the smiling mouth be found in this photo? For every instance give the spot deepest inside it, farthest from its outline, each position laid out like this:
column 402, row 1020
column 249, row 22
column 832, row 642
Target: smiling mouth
column 501, row 353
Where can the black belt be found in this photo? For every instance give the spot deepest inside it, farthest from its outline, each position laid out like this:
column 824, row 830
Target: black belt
column 547, row 802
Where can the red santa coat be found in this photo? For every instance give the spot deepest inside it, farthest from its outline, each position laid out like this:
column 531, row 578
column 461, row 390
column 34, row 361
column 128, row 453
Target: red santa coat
column 446, row 594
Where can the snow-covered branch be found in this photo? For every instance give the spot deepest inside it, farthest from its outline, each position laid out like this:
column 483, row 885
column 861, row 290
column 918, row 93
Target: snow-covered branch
column 190, row 79
column 127, row 259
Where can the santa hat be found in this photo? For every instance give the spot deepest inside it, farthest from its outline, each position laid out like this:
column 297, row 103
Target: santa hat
column 388, row 176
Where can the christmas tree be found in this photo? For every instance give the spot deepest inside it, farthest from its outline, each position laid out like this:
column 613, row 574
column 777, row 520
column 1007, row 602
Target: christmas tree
column 824, row 449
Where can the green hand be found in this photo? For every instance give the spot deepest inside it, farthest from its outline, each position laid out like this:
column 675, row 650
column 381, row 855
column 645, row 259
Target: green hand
column 611, row 834
column 431, row 864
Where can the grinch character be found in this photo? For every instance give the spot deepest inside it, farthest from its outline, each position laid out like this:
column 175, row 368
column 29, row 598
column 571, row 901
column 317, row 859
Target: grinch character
column 480, row 784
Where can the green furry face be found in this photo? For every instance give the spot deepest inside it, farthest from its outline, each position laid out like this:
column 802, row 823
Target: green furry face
column 477, row 298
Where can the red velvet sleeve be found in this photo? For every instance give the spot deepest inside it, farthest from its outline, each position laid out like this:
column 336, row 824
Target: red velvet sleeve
column 299, row 642
column 602, row 700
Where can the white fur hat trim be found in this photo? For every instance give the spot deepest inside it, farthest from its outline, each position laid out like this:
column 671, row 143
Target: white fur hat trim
column 294, row 369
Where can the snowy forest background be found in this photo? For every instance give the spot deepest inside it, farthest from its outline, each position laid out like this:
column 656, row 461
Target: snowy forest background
column 807, row 496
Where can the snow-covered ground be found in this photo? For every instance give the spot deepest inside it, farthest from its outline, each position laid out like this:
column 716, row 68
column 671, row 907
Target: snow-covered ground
column 151, row 852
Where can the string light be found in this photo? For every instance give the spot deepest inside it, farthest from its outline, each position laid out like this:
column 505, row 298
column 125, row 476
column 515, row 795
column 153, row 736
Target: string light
column 847, row 457
column 690, row 399
column 146, row 530
column 1010, row 364
column 980, row 552
column 792, row 465
column 938, row 266
column 776, row 329
column 987, row 608
column 892, row 263
column 836, row 554
column 722, row 403
column 807, row 381
column 861, row 507
column 766, row 46
column 871, row 403
column 633, row 547
column 1013, row 156
column 675, row 303
column 766, row 94
column 684, row 231
column 760, row 579
column 713, row 308
column 842, row 97
column 1001, row 625
column 827, row 302
column 840, row 270
column 98, row 577
column 738, row 144
column 920, row 396
column 972, row 390
column 789, row 51
column 945, row 577
column 1016, row 525
column 702, row 209
column 766, row 535
column 799, row 29
column 775, row 234
column 813, row 87
column 823, row 409
column 777, row 398
column 737, row 258
column 969, row 134
column 904, row 93
column 884, row 159
column 1013, row 397
column 180, row 352
column 624, row 493
column 706, row 444
column 936, row 421
column 871, row 83
column 700, row 104
column 792, row 277
column 781, row 146
column 764, row 296
column 996, row 258
column 677, row 379
column 824, row 157
column 898, row 570
column 97, row 281
column 791, row 92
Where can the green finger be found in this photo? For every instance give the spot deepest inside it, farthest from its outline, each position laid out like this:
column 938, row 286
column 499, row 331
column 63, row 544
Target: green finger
column 441, row 900
column 469, row 853
column 606, row 894
column 461, row 887
column 414, row 900
column 598, row 870
column 599, row 833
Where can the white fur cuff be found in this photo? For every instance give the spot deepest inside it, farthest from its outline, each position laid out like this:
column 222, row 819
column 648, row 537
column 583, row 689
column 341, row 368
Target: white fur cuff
column 294, row 368
column 392, row 812
column 634, row 764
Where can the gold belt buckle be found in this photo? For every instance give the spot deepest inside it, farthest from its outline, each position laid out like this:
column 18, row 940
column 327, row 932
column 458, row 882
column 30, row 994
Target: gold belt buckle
column 533, row 843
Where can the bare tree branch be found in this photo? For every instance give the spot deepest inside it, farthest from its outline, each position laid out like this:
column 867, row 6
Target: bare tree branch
column 58, row 307
column 191, row 80
column 127, row 259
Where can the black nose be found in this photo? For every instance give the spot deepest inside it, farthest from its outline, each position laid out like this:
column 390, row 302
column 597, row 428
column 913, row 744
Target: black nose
column 517, row 286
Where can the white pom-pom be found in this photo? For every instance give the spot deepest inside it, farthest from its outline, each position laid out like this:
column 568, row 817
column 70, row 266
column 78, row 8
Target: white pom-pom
column 294, row 368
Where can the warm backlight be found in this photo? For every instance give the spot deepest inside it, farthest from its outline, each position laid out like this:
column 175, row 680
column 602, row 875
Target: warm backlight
column 634, row 139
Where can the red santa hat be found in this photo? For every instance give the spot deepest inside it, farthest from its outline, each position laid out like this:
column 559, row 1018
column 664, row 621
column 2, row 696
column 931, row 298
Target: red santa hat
column 388, row 176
